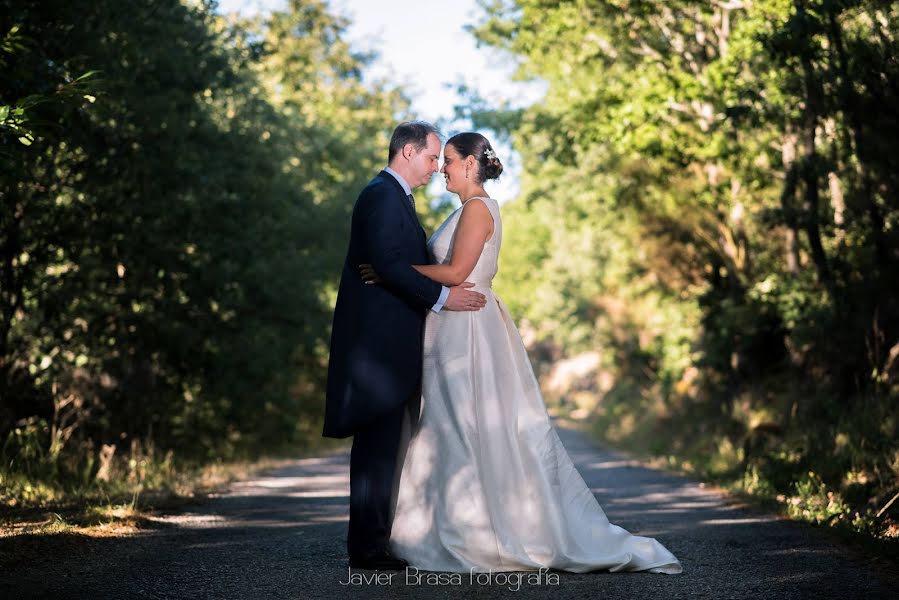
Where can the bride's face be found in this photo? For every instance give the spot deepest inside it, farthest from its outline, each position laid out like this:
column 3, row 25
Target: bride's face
column 453, row 169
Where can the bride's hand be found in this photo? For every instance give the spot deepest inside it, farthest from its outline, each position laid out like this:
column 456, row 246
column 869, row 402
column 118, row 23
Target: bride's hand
column 369, row 277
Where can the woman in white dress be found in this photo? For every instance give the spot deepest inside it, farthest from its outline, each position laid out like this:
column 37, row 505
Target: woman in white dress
column 486, row 484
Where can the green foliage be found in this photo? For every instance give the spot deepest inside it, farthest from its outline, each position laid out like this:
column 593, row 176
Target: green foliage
column 709, row 201
column 18, row 114
column 169, row 239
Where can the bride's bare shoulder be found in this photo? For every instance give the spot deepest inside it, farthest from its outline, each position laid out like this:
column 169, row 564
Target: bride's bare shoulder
column 476, row 210
column 476, row 217
column 476, row 206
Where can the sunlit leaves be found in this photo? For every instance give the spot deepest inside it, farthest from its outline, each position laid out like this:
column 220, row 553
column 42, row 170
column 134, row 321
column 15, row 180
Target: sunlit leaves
column 708, row 190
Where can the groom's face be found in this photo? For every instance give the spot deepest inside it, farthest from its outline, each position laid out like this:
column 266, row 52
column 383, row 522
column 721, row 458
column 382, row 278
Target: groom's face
column 424, row 162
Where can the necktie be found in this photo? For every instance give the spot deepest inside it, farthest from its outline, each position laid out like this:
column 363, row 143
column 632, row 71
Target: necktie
column 412, row 200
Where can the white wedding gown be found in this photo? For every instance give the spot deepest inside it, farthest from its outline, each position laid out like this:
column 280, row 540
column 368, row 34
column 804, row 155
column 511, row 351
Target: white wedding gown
column 485, row 483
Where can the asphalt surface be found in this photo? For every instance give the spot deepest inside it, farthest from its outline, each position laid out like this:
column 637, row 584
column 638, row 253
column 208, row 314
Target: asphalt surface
column 281, row 535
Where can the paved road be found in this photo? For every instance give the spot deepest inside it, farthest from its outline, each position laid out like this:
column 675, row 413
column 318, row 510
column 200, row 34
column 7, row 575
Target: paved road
column 281, row 535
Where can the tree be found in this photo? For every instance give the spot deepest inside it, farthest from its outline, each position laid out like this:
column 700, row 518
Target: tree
column 714, row 193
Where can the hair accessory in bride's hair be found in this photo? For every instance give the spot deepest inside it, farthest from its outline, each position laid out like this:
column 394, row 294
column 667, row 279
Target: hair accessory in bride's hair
column 489, row 153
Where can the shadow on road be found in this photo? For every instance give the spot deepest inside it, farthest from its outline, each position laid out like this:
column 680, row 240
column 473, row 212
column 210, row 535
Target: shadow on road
column 282, row 535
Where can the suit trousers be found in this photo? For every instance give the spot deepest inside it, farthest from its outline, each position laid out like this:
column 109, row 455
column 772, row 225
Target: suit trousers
column 373, row 462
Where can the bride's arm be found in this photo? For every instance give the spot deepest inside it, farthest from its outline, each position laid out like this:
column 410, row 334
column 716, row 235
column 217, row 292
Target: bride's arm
column 475, row 227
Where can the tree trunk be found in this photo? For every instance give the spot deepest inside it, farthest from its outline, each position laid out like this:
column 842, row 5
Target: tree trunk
column 814, row 97
column 853, row 113
column 787, row 198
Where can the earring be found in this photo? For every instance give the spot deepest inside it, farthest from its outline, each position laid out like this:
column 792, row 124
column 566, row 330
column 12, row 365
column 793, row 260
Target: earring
column 466, row 171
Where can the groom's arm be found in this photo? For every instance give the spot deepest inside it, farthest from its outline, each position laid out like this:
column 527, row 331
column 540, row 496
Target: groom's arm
column 444, row 294
column 384, row 233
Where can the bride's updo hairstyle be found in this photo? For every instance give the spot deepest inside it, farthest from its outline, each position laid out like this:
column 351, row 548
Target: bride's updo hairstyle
column 474, row 144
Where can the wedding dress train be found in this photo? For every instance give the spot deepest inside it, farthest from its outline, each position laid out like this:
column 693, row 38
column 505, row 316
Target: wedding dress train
column 485, row 483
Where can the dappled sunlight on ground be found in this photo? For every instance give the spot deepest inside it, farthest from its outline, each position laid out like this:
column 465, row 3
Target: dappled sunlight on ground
column 282, row 533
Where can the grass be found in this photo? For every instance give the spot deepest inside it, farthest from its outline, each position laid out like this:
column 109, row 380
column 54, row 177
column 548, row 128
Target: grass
column 68, row 493
column 780, row 475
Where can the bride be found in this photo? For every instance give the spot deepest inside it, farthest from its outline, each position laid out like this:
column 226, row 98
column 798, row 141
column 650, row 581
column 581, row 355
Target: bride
column 486, row 484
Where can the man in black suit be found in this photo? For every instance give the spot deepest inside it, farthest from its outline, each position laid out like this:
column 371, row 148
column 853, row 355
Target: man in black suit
column 376, row 339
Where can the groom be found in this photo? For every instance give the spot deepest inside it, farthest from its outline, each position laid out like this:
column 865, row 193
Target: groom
column 376, row 338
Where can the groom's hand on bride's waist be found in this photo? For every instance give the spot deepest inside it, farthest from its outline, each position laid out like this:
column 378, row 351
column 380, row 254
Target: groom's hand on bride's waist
column 462, row 298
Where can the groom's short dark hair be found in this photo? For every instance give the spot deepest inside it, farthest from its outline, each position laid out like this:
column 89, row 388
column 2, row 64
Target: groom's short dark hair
column 410, row 132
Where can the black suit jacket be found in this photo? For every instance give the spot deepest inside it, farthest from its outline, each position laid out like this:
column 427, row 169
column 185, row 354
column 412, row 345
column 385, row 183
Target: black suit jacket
column 376, row 336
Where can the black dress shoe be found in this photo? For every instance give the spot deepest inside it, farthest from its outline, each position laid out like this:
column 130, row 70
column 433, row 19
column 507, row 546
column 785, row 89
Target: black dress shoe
column 378, row 559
